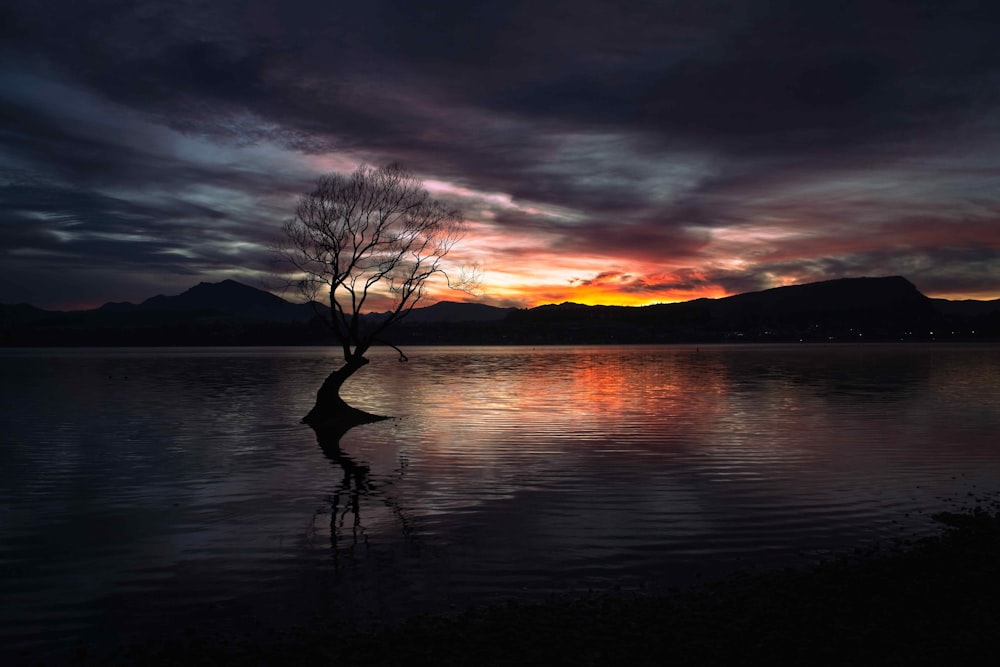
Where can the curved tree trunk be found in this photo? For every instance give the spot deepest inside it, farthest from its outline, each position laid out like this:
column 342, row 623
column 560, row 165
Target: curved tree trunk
column 331, row 412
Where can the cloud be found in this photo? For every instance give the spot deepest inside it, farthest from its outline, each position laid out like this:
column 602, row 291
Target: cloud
column 715, row 146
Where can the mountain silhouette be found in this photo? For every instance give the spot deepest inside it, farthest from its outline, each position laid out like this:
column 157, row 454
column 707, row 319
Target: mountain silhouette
column 889, row 299
column 881, row 308
column 453, row 311
column 229, row 297
column 232, row 313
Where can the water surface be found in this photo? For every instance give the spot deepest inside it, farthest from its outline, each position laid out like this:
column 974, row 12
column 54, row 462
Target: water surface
column 146, row 490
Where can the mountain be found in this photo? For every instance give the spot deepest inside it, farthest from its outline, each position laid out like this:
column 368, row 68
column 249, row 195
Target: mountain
column 224, row 313
column 882, row 308
column 863, row 302
column 452, row 311
column 21, row 314
column 231, row 313
column 239, row 300
column 967, row 307
column 228, row 297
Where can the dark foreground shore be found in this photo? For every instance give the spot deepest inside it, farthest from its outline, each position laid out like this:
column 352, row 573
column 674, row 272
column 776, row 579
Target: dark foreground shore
column 934, row 601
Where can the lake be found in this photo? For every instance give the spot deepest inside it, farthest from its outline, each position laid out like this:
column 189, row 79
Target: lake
column 145, row 491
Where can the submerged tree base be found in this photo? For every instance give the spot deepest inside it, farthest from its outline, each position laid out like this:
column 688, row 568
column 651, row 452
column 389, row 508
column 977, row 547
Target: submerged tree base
column 332, row 417
column 330, row 426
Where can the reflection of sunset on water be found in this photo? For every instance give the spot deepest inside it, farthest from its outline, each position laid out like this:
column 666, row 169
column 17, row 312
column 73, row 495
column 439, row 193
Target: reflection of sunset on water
column 706, row 452
column 508, row 416
column 687, row 434
column 511, row 471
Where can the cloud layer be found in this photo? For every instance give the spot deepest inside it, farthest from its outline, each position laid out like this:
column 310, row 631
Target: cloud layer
column 604, row 153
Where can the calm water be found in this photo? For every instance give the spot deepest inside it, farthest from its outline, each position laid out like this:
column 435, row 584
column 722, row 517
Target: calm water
column 143, row 491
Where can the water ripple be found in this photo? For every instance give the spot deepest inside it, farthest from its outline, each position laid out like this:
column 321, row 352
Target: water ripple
column 144, row 489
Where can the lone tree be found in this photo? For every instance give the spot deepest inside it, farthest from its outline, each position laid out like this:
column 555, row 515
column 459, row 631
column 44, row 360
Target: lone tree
column 374, row 232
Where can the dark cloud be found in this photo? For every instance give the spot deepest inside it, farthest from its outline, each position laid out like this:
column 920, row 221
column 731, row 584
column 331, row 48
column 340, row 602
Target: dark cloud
column 648, row 242
column 816, row 139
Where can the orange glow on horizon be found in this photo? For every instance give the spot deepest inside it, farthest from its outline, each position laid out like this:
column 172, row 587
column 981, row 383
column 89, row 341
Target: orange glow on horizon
column 534, row 296
column 531, row 296
column 536, row 252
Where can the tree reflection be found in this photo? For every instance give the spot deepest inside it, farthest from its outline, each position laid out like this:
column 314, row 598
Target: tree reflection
column 347, row 497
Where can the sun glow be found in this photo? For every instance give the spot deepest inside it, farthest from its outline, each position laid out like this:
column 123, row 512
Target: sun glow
column 532, row 253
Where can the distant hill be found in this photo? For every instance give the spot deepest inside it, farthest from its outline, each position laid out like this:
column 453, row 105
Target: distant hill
column 451, row 311
column 882, row 308
column 234, row 298
column 20, row 314
column 868, row 297
column 876, row 304
column 229, row 297
column 966, row 307
column 232, row 313
column 224, row 313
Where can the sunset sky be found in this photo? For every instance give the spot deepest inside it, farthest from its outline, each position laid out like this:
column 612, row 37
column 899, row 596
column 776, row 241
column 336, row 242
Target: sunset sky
column 617, row 153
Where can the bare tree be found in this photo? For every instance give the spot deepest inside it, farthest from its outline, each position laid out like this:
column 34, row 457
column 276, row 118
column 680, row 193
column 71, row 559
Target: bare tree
column 374, row 233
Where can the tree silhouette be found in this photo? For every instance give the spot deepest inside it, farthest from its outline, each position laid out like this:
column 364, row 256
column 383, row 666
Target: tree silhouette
column 374, row 233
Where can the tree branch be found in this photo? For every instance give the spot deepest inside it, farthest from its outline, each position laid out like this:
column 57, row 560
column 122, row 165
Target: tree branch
column 373, row 231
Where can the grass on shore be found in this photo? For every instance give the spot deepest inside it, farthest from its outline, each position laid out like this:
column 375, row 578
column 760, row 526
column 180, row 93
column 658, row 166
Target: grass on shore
column 935, row 601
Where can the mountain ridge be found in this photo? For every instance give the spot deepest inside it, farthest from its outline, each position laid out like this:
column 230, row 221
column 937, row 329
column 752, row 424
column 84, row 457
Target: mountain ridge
column 230, row 297
column 233, row 313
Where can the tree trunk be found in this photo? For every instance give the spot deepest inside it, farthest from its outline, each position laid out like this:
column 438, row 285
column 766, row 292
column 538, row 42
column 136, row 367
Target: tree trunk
column 331, row 412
